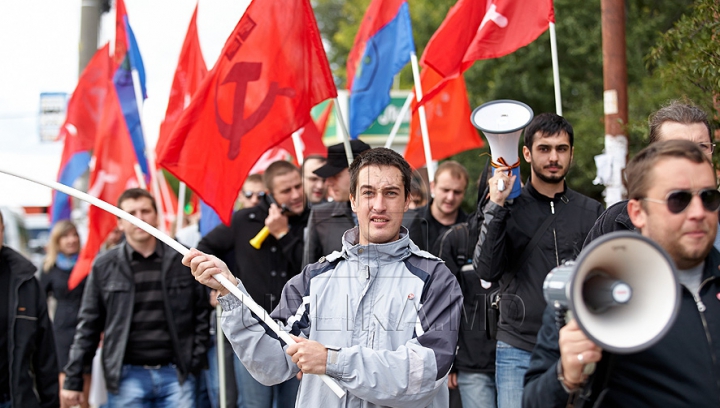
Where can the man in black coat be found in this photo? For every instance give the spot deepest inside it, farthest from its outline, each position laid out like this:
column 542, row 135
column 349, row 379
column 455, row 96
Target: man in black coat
column 28, row 364
column 508, row 251
column 153, row 314
column 266, row 269
column 674, row 201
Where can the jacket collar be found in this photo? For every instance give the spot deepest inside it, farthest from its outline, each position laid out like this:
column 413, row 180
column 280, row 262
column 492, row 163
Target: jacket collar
column 376, row 255
column 537, row 195
column 712, row 265
column 18, row 264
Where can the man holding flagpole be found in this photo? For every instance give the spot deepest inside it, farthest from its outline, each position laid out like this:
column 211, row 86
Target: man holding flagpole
column 380, row 317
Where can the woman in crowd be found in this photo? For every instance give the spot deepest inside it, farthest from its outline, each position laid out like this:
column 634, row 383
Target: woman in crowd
column 62, row 253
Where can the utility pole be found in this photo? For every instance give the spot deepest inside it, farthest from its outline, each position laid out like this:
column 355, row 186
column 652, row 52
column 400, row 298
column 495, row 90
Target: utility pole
column 615, row 96
column 90, row 13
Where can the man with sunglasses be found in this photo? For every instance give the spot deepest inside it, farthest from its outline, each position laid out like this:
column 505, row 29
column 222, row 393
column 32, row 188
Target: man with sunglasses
column 253, row 191
column 675, row 121
column 674, row 201
column 266, row 269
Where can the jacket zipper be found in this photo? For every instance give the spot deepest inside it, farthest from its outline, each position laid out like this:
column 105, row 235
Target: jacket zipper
column 557, row 256
column 701, row 308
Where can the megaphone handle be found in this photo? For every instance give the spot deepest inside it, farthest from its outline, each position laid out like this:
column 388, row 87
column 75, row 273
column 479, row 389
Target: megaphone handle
column 562, row 315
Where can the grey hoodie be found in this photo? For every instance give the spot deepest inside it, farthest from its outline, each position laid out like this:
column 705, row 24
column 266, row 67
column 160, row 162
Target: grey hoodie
column 391, row 309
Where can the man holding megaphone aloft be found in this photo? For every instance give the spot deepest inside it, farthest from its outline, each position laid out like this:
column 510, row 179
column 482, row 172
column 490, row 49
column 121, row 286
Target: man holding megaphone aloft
column 524, row 238
column 674, row 201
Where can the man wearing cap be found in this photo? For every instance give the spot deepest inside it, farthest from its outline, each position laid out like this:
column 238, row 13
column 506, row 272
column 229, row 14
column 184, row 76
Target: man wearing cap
column 329, row 221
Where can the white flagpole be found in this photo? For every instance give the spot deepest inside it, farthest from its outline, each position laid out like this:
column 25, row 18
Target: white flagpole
column 398, row 121
column 345, row 133
column 297, row 144
column 180, row 209
column 556, row 69
column 245, row 299
column 423, row 118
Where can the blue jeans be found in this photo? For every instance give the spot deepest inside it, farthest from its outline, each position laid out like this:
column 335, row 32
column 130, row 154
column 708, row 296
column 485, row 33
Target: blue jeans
column 477, row 390
column 256, row 395
column 150, row 387
column 510, row 366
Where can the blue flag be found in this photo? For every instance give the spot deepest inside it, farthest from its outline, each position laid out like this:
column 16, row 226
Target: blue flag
column 382, row 48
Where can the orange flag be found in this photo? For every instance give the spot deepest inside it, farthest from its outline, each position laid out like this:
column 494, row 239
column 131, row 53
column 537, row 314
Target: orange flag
column 448, row 119
column 271, row 72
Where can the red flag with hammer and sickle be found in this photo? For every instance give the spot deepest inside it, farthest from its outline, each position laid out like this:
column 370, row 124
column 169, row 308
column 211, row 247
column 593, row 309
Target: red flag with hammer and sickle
column 270, row 73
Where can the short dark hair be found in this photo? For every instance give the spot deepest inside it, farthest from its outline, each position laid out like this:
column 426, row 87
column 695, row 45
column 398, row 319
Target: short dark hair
column 380, row 156
column 685, row 113
column 278, row 168
column 134, row 194
column 639, row 170
column 547, row 124
column 323, row 159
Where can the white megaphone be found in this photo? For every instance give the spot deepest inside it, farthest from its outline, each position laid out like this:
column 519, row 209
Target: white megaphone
column 622, row 290
column 502, row 122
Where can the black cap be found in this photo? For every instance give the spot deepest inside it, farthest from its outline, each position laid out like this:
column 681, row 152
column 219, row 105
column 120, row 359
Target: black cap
column 337, row 159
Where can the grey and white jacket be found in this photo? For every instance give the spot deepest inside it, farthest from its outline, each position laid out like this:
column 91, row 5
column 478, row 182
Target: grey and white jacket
column 392, row 310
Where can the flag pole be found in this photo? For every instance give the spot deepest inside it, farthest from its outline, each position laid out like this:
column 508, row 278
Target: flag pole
column 398, row 121
column 423, row 118
column 556, row 69
column 345, row 133
column 297, row 144
column 181, row 207
column 161, row 236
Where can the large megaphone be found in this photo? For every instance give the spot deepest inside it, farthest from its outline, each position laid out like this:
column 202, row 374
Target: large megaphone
column 622, row 291
column 502, row 122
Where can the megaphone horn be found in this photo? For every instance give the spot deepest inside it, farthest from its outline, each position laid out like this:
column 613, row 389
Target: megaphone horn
column 622, row 291
column 502, row 123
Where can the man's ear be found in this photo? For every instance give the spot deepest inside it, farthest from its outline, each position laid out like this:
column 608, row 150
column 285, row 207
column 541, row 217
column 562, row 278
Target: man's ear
column 526, row 154
column 637, row 213
column 352, row 203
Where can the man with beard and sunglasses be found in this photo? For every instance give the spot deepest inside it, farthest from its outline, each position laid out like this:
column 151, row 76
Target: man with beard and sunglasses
column 674, row 201
column 523, row 239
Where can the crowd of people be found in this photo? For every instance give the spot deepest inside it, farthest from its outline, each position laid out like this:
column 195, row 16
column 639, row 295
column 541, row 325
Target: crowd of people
column 384, row 285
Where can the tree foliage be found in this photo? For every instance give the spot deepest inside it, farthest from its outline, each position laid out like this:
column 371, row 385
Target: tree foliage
column 526, row 75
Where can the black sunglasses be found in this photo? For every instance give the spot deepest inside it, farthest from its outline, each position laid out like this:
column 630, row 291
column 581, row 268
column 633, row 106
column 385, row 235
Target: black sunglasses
column 249, row 194
column 678, row 200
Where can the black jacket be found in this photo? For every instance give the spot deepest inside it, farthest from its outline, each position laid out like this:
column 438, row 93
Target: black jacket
column 431, row 230
column 681, row 370
column 107, row 306
column 263, row 271
column 31, row 358
column 476, row 352
column 329, row 221
column 505, row 233
column 615, row 218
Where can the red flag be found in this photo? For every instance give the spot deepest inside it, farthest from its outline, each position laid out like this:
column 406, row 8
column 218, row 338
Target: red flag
column 271, row 72
column 169, row 203
column 474, row 30
column 448, row 118
column 114, row 172
column 310, row 140
column 190, row 72
column 80, row 127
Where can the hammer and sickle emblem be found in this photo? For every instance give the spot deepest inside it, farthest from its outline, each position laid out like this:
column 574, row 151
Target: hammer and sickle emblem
column 241, row 74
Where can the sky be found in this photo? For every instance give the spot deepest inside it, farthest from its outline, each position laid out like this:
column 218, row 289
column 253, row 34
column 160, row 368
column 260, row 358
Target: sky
column 39, row 46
